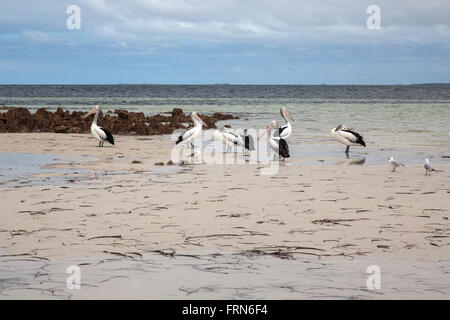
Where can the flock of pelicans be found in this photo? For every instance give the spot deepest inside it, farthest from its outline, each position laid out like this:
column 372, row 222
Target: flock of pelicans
column 277, row 138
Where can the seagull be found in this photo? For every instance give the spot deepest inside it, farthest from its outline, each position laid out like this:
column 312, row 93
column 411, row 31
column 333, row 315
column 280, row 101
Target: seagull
column 395, row 164
column 346, row 136
column 98, row 132
column 428, row 167
column 192, row 133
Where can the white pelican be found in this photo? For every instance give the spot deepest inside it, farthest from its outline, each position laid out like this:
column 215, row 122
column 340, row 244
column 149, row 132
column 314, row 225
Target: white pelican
column 347, row 137
column 286, row 130
column 395, row 164
column 231, row 139
column 192, row 133
column 278, row 144
column 98, row 132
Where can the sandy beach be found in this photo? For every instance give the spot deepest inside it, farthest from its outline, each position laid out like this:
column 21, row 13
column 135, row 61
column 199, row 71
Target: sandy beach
column 92, row 204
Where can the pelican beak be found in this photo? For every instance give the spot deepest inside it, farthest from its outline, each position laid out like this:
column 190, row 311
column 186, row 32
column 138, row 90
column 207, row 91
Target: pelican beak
column 269, row 127
column 93, row 111
column 288, row 116
column 201, row 121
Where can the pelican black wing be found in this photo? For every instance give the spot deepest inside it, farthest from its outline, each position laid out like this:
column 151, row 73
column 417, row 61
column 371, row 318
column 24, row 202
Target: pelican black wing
column 248, row 143
column 109, row 136
column 357, row 139
column 283, row 149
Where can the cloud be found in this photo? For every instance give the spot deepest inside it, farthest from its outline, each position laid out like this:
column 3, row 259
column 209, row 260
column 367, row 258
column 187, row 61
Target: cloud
column 36, row 36
column 235, row 20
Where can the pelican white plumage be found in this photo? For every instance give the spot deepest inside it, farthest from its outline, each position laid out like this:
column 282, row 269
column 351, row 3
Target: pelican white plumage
column 346, row 136
column 395, row 164
column 228, row 138
column 286, row 130
column 278, row 144
column 189, row 135
column 98, row 132
column 232, row 139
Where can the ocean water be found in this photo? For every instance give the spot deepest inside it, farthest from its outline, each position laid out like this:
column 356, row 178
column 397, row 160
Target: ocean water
column 408, row 122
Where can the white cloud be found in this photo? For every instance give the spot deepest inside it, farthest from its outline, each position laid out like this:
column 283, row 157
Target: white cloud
column 288, row 21
column 36, row 36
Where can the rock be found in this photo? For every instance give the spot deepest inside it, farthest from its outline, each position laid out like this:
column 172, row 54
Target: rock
column 170, row 163
column 126, row 123
column 122, row 114
column 220, row 116
column 136, row 162
column 159, row 163
column 61, row 129
column 177, row 112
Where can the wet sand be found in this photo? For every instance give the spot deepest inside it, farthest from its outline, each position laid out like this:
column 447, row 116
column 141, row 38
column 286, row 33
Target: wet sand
column 197, row 223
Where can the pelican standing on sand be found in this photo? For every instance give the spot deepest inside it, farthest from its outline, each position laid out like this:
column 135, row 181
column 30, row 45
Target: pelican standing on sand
column 395, row 164
column 286, row 130
column 346, row 136
column 248, row 141
column 278, row 144
column 228, row 138
column 231, row 139
column 98, row 132
column 189, row 135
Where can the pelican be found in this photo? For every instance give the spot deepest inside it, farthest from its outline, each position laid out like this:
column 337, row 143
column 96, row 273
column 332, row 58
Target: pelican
column 98, row 132
column 395, row 164
column 347, row 137
column 192, row 133
column 228, row 138
column 248, row 141
column 286, row 130
column 278, row 144
column 231, row 139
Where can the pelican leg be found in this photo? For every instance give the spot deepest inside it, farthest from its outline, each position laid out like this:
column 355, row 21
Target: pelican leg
column 99, row 144
column 347, row 149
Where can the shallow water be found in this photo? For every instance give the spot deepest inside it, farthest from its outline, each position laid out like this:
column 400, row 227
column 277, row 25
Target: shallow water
column 408, row 122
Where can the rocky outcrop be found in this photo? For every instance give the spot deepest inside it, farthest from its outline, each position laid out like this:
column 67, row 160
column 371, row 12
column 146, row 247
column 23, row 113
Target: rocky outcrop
column 123, row 122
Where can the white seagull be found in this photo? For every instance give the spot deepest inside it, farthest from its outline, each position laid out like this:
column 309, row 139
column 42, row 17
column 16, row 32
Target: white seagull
column 395, row 164
column 98, row 132
column 348, row 137
column 428, row 167
column 189, row 135
column 286, row 130
column 278, row 144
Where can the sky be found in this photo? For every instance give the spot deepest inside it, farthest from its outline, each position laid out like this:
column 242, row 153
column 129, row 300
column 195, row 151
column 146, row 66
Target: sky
column 224, row 41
